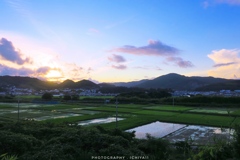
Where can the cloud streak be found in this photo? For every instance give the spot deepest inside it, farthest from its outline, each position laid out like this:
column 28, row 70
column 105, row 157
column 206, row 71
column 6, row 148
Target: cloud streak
column 148, row 68
column 43, row 70
column 39, row 72
column 154, row 48
column 9, row 53
column 224, row 64
column 180, row 62
column 117, row 58
column 5, row 70
column 120, row 67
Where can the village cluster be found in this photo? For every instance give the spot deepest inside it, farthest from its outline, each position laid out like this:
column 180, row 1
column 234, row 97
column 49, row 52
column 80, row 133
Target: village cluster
column 95, row 92
column 55, row 92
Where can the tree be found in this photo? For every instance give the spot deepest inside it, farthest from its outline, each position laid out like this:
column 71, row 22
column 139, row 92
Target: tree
column 75, row 97
column 47, row 96
column 71, row 97
column 67, row 97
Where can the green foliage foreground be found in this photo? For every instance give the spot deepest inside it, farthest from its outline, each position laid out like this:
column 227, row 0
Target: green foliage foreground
column 44, row 141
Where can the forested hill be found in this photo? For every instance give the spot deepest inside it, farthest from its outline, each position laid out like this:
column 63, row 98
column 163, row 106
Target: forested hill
column 34, row 83
column 26, row 82
column 180, row 82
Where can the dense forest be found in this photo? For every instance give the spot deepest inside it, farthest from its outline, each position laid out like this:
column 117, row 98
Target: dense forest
column 29, row 140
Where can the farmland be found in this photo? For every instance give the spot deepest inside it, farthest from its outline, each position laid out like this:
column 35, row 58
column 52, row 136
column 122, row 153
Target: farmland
column 133, row 114
column 65, row 128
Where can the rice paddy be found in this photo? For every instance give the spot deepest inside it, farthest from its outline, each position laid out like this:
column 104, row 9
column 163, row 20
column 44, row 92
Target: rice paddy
column 129, row 116
column 133, row 114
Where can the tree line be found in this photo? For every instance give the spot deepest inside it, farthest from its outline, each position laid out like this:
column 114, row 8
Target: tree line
column 29, row 140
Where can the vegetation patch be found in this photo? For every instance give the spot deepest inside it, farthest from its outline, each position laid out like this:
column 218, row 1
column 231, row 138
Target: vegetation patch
column 156, row 113
column 208, row 120
column 236, row 121
column 130, row 122
column 222, row 121
column 237, row 113
column 136, row 106
column 169, row 108
column 214, row 110
column 187, row 118
column 96, row 97
column 113, row 109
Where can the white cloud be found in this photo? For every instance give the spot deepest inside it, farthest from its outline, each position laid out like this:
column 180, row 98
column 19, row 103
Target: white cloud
column 226, row 63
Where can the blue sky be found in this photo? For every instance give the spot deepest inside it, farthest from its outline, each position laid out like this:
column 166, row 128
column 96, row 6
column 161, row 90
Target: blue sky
column 119, row 40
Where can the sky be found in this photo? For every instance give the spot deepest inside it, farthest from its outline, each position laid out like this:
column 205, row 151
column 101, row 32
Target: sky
column 119, row 40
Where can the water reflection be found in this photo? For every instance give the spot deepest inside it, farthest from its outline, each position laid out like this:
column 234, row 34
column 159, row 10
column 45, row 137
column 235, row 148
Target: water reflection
column 201, row 134
column 99, row 121
column 156, row 129
column 180, row 132
column 56, row 116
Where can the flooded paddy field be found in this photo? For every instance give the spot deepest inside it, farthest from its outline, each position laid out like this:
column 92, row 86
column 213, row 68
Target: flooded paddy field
column 200, row 135
column 181, row 132
column 40, row 112
column 156, row 129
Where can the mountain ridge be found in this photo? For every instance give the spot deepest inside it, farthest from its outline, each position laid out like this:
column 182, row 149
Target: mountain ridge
column 169, row 81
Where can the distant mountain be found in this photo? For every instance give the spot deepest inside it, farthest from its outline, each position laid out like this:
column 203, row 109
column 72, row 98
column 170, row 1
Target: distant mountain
column 84, row 84
column 229, row 85
column 106, row 85
column 67, row 84
column 26, row 82
column 170, row 81
column 180, row 82
column 130, row 84
column 34, row 83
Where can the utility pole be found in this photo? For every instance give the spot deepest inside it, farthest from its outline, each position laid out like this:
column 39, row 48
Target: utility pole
column 18, row 109
column 173, row 98
column 116, row 112
column 173, row 101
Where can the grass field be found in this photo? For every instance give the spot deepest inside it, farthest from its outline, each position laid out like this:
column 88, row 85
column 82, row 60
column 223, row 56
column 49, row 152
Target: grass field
column 225, row 111
column 236, row 113
column 169, row 108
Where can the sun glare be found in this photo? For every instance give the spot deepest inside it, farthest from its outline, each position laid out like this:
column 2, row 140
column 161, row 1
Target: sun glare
column 53, row 75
